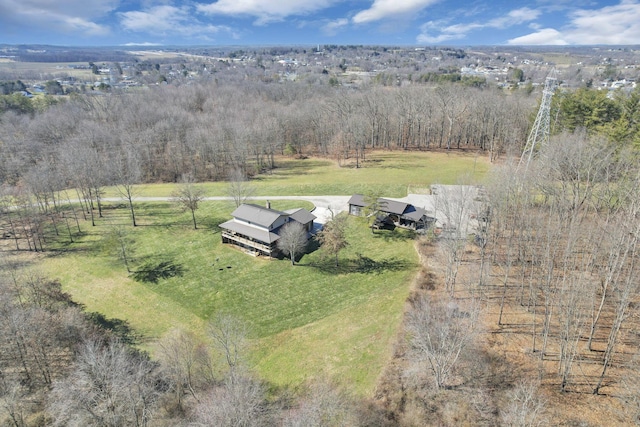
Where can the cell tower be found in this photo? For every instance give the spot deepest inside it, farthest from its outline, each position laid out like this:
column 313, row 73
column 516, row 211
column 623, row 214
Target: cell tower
column 541, row 127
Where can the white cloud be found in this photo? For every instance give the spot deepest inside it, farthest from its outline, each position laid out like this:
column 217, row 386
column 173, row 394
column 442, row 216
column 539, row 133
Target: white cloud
column 333, row 27
column 618, row 24
column 382, row 9
column 74, row 24
column 430, row 32
column 167, row 20
column 71, row 8
column 155, row 19
column 545, row 36
column 71, row 16
column 143, row 44
column 439, row 31
column 264, row 10
column 515, row 17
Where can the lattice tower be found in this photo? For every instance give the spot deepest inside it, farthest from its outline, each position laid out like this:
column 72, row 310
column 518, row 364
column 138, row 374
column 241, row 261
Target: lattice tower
column 541, row 127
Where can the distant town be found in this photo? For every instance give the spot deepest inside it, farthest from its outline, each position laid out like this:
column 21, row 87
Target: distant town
column 63, row 70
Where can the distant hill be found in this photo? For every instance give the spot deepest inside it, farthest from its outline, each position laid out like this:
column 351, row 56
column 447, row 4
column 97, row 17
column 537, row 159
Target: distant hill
column 45, row 53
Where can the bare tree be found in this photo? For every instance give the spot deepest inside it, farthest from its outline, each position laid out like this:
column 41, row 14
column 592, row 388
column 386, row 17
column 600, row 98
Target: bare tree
column 14, row 403
column 188, row 197
column 108, row 386
column 119, row 242
column 127, row 173
column 229, row 336
column 239, row 402
column 293, row 240
column 630, row 390
column 626, row 282
column 526, row 407
column 7, row 213
column 439, row 333
column 323, row 405
column 184, row 363
column 240, row 189
column 333, row 236
column 456, row 206
column 453, row 105
column 38, row 326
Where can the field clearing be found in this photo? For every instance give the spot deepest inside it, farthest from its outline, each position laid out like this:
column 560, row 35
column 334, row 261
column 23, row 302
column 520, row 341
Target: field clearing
column 299, row 316
column 306, row 321
column 295, row 314
column 386, row 173
column 33, row 69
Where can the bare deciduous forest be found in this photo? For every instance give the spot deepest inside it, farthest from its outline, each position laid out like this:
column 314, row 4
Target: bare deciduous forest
column 210, row 130
column 531, row 321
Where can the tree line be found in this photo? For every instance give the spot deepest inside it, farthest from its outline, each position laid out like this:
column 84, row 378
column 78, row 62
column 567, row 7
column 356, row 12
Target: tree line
column 538, row 304
column 209, row 129
column 564, row 236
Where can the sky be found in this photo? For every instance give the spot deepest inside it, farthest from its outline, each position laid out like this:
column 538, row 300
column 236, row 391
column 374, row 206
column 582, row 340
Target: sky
column 313, row 22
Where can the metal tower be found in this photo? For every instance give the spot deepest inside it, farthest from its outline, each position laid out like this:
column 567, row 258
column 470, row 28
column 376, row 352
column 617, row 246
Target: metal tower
column 541, row 127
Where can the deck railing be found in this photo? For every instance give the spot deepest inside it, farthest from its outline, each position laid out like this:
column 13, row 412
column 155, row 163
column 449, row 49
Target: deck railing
column 238, row 238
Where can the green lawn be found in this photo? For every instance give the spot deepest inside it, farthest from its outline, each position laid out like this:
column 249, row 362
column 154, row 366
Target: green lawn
column 306, row 321
column 386, row 173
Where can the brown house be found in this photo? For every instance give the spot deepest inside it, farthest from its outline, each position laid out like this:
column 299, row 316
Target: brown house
column 256, row 228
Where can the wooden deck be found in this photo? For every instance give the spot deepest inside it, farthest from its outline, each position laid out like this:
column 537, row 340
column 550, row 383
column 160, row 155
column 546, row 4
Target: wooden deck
column 247, row 243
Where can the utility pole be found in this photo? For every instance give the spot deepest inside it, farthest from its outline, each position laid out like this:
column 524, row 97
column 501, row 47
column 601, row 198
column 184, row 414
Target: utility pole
column 541, row 127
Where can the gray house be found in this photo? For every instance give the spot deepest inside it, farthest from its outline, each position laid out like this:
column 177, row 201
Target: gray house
column 256, row 228
column 400, row 214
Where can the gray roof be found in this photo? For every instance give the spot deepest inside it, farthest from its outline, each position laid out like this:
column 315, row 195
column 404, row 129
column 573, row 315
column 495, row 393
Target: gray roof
column 258, row 215
column 414, row 214
column 404, row 209
column 357, row 200
column 249, row 231
column 386, row 205
column 301, row 215
column 392, row 206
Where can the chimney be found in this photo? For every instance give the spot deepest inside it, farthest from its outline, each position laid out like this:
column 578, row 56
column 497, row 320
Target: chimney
column 268, row 204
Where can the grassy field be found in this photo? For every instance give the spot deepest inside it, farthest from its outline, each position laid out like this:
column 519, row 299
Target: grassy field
column 306, row 321
column 53, row 68
column 388, row 173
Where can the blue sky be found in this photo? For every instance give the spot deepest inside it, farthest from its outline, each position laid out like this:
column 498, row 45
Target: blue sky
column 311, row 22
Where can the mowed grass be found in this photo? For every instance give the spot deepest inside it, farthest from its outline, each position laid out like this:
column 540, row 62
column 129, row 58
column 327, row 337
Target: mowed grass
column 386, row 173
column 298, row 316
column 308, row 321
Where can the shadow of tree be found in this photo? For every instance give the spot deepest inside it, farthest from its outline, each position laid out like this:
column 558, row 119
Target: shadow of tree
column 212, row 223
column 120, row 328
column 312, row 246
column 152, row 272
column 361, row 264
